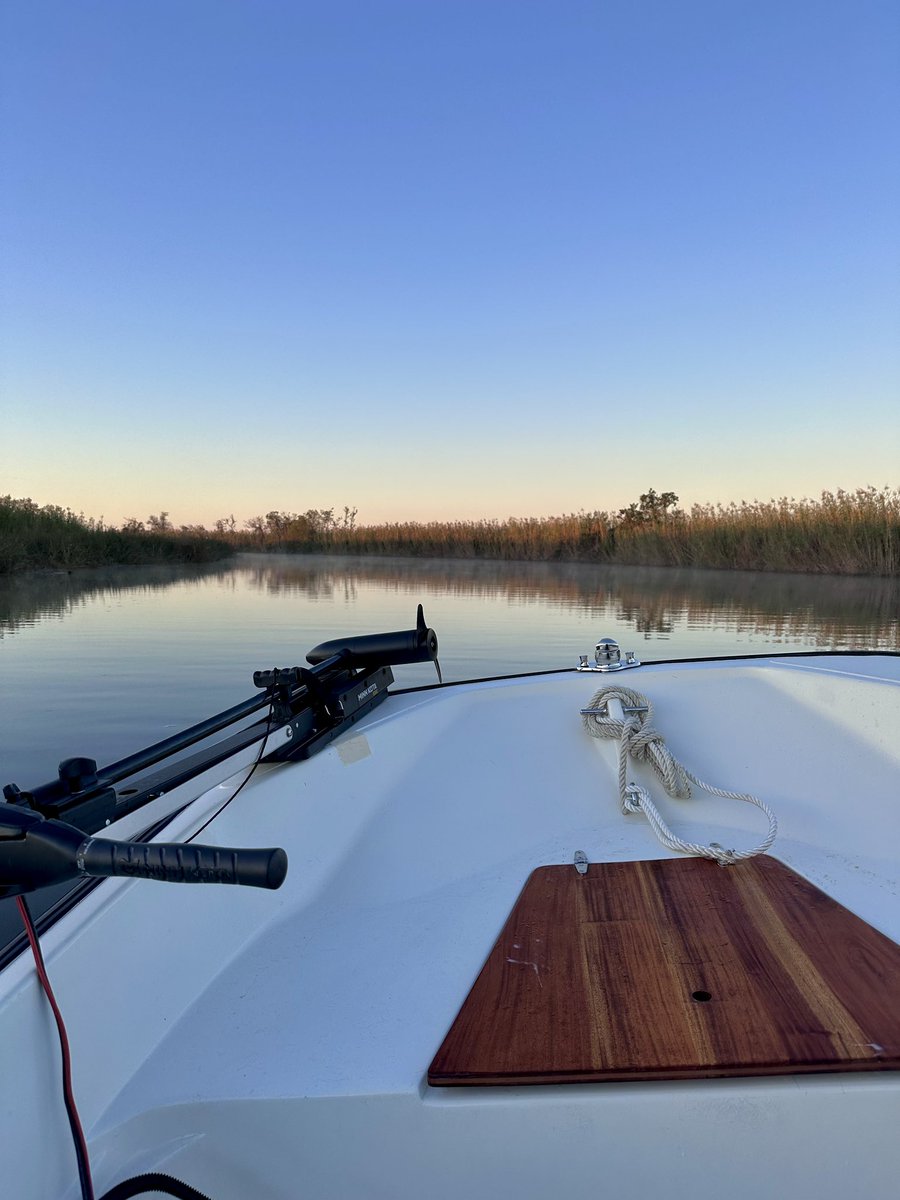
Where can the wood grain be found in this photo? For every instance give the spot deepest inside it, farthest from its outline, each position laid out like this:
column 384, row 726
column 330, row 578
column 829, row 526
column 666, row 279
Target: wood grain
column 676, row 969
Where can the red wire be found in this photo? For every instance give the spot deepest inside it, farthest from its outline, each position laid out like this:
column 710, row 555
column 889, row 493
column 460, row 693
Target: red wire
column 68, row 1094
column 81, row 1151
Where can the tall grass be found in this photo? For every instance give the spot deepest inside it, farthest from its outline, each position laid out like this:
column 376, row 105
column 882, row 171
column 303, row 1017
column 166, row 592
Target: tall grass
column 842, row 533
column 580, row 537
column 33, row 536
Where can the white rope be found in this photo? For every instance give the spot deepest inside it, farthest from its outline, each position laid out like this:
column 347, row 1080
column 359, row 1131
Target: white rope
column 639, row 740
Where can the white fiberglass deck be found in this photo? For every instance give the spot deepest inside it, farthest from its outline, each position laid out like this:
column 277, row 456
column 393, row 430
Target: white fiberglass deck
column 275, row 1045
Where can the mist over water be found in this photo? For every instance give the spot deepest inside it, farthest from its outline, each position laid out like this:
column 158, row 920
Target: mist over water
column 100, row 663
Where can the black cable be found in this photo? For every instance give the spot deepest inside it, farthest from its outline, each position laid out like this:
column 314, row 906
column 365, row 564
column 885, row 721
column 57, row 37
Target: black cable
column 154, row 1181
column 139, row 1184
column 247, row 777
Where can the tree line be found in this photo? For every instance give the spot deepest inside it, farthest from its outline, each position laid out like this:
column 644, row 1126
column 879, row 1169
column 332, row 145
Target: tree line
column 848, row 533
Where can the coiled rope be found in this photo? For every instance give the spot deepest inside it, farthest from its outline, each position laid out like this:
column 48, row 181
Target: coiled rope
column 639, row 740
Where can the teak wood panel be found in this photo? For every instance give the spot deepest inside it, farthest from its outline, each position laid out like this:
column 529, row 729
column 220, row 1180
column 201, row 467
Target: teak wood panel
column 676, row 969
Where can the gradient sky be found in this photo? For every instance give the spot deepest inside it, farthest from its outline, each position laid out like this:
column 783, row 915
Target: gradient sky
column 447, row 258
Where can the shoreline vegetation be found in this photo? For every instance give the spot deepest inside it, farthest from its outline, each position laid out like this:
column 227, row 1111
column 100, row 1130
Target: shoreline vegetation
column 841, row 533
column 36, row 537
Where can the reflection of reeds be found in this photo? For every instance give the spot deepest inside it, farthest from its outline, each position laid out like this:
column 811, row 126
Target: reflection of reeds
column 798, row 609
column 31, row 596
column 842, row 611
column 843, row 533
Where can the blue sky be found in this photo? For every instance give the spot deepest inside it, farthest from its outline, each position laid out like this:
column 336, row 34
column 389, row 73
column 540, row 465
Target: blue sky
column 447, row 258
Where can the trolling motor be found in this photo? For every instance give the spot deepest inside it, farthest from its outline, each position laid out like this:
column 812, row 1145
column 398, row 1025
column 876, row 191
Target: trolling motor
column 37, row 853
column 310, row 706
column 45, row 833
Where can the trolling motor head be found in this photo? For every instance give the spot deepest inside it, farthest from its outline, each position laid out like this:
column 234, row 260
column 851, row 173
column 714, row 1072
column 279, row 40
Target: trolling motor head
column 383, row 649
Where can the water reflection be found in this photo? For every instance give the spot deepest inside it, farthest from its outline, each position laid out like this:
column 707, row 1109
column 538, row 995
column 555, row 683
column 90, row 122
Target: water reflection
column 34, row 596
column 821, row 611
column 828, row 612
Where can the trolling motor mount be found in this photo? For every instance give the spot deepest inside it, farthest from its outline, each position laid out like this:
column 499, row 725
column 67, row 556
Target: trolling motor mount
column 346, row 679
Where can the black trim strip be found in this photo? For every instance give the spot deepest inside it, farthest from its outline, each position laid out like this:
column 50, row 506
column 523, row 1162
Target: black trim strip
column 46, row 920
column 646, row 662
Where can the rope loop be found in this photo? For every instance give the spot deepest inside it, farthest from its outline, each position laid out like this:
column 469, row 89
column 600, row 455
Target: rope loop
column 638, row 740
column 632, row 799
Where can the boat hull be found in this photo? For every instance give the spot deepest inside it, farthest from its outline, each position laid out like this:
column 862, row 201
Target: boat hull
column 277, row 1044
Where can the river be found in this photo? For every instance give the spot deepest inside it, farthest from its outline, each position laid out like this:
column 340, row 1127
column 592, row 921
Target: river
column 100, row 663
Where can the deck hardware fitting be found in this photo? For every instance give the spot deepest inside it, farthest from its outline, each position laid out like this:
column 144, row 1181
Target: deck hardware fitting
column 608, row 657
column 603, row 710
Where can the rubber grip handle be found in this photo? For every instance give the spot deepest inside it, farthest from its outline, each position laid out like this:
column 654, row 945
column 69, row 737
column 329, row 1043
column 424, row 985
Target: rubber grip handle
column 183, row 862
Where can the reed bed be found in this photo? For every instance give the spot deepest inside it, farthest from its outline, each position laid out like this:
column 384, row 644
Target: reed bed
column 842, row 533
column 576, row 538
column 33, row 536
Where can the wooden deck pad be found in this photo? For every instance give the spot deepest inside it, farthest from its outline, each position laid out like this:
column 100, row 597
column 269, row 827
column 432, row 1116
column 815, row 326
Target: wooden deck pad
column 676, row 969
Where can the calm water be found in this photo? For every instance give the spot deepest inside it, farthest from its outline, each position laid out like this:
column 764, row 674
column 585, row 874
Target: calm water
column 102, row 663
